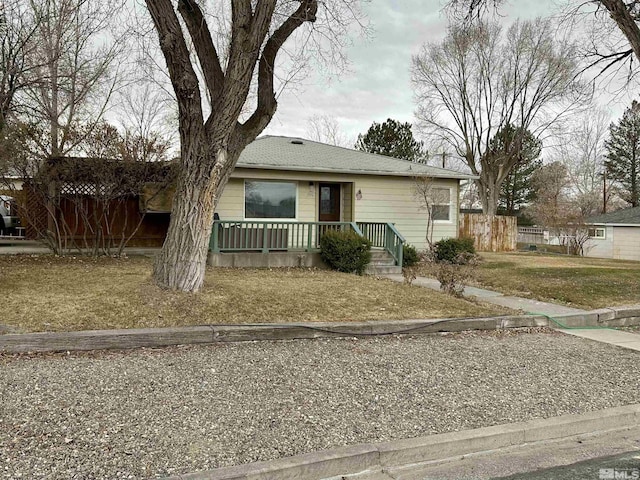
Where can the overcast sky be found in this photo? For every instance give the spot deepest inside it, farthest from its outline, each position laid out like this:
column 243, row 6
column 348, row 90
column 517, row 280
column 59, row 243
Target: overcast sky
column 378, row 86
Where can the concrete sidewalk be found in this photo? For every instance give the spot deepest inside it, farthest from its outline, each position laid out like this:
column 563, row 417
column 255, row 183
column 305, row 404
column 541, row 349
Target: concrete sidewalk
column 557, row 312
column 606, row 335
column 497, row 298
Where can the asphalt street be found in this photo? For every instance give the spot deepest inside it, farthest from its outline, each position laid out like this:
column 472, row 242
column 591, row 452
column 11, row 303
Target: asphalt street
column 625, row 466
column 581, row 457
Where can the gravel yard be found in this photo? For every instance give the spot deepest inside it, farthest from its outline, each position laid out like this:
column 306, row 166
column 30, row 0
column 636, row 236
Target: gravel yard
column 152, row 413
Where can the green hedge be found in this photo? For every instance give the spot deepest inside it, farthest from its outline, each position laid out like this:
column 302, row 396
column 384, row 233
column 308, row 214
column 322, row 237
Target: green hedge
column 345, row 251
column 449, row 249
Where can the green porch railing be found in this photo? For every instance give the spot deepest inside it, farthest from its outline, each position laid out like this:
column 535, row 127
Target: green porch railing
column 269, row 236
column 258, row 236
column 384, row 235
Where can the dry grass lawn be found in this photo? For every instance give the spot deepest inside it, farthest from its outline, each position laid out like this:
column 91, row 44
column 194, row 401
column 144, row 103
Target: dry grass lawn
column 576, row 281
column 45, row 293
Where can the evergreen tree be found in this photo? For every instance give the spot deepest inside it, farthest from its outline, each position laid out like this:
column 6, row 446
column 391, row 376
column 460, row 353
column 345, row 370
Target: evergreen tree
column 623, row 154
column 516, row 190
column 393, row 139
column 512, row 142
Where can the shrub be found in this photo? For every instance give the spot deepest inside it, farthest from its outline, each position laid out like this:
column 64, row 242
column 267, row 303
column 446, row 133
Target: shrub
column 454, row 276
column 450, row 249
column 345, row 251
column 409, row 255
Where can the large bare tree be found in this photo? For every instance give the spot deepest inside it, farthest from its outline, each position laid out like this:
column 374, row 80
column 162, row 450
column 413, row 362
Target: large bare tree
column 212, row 138
column 582, row 152
column 17, row 28
column 482, row 78
column 75, row 54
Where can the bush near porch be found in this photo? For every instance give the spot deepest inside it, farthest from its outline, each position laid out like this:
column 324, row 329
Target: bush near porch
column 580, row 282
column 47, row 293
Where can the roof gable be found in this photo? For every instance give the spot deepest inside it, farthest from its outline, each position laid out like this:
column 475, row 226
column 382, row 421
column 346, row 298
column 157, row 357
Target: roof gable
column 287, row 153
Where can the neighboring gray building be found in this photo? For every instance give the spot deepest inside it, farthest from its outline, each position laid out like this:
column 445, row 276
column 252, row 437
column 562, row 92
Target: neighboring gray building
column 615, row 235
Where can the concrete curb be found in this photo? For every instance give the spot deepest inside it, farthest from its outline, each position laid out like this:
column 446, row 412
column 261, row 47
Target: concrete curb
column 603, row 317
column 207, row 334
column 162, row 337
column 402, row 454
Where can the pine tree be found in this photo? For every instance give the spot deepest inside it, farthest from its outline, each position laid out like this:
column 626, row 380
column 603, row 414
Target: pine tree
column 516, row 190
column 509, row 142
column 393, row 139
column 623, row 154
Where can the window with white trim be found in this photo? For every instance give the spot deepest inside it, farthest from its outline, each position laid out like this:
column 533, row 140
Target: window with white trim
column 441, row 204
column 270, row 200
column 598, row 232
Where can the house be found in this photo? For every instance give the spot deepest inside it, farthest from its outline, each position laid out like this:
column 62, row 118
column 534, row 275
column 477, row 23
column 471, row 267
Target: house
column 284, row 192
column 615, row 235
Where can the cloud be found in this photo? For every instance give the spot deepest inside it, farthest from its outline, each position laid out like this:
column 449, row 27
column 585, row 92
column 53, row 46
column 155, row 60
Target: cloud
column 379, row 83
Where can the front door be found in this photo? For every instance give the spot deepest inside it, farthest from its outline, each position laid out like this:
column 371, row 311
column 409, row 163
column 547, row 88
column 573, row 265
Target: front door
column 329, row 202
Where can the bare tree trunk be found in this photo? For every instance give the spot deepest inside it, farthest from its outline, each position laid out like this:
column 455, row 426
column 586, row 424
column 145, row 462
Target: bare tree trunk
column 492, row 204
column 489, row 193
column 182, row 260
column 181, row 263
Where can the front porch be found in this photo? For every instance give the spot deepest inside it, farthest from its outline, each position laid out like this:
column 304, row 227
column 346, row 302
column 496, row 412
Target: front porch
column 244, row 243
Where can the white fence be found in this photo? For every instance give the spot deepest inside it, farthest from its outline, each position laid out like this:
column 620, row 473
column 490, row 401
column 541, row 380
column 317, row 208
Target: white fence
column 533, row 235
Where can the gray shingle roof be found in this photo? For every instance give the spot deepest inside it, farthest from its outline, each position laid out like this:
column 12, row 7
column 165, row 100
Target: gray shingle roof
column 288, row 153
column 629, row 216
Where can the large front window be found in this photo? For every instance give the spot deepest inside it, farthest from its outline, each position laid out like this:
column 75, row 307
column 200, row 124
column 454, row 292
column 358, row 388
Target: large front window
column 269, row 199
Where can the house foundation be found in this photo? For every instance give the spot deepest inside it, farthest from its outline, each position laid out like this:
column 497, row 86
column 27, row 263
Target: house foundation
column 265, row 260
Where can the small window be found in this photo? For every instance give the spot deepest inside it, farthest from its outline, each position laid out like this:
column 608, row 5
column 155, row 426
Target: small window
column 269, row 199
column 441, row 204
column 597, row 233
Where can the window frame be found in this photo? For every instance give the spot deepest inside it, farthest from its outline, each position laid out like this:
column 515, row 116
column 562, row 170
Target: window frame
column 596, row 230
column 452, row 193
column 277, row 219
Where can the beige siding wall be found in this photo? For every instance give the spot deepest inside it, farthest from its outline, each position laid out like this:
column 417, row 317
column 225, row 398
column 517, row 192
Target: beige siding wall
column 626, row 243
column 392, row 199
column 347, row 202
column 231, row 204
column 384, row 199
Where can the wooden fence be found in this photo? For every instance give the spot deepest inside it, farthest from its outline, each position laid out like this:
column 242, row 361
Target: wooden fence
column 77, row 217
column 492, row 233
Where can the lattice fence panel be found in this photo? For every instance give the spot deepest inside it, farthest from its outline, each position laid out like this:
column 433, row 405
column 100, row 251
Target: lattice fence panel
column 35, row 216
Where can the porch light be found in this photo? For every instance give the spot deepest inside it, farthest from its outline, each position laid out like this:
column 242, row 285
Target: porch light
column 359, row 195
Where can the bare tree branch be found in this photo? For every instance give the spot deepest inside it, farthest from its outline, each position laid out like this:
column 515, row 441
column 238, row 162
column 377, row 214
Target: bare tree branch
column 204, row 46
column 266, row 107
